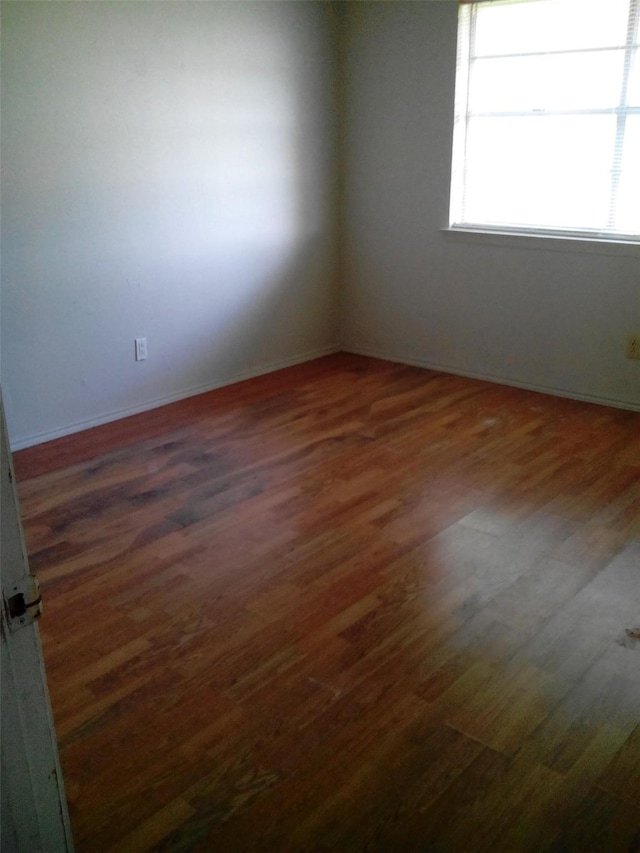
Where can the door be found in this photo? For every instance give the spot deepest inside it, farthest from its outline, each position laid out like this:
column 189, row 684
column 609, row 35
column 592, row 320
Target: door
column 34, row 807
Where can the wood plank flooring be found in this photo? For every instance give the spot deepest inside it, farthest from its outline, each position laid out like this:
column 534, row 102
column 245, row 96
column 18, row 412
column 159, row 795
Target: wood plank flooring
column 352, row 606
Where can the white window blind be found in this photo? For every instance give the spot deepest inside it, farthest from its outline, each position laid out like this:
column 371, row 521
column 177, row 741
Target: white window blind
column 547, row 117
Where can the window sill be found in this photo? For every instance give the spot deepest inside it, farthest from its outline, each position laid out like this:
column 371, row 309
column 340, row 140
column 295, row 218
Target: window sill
column 565, row 242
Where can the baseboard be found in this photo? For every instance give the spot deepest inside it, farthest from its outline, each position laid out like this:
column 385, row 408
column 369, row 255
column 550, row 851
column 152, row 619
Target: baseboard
column 627, row 405
column 221, row 382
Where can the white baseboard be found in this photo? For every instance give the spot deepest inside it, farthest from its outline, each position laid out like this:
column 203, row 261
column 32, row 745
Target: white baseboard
column 117, row 415
column 627, row 405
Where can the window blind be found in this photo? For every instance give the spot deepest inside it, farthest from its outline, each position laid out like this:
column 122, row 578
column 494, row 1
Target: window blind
column 547, row 116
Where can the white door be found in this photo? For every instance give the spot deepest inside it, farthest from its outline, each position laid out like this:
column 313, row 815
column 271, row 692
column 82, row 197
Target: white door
column 34, row 806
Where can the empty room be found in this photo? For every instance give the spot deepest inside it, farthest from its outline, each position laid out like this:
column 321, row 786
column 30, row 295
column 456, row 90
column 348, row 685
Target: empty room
column 320, row 366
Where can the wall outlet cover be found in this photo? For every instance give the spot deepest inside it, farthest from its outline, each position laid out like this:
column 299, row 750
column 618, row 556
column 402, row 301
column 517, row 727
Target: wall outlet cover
column 141, row 349
column 633, row 346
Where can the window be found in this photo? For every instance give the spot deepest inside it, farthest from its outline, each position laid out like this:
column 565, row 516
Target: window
column 547, row 117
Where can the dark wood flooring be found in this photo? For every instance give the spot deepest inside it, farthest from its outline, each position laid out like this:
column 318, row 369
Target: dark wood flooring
column 352, row 606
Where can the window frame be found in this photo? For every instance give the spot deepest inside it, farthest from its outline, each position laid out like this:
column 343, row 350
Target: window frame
column 457, row 221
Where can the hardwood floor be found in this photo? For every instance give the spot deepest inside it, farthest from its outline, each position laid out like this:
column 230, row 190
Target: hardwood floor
column 353, row 606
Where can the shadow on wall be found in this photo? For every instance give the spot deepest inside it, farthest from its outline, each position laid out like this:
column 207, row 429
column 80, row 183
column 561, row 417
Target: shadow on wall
column 170, row 176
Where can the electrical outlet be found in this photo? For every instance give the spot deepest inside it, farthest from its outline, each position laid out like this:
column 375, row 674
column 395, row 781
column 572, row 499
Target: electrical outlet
column 141, row 349
column 633, row 346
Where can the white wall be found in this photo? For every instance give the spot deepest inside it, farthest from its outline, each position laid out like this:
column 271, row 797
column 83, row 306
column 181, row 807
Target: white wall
column 554, row 318
column 168, row 172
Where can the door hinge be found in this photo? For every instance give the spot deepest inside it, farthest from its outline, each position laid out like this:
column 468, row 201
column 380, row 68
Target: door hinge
column 23, row 603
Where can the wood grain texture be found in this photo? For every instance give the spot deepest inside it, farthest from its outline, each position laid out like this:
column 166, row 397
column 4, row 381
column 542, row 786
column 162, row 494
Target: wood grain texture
column 352, row 606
